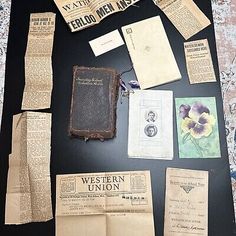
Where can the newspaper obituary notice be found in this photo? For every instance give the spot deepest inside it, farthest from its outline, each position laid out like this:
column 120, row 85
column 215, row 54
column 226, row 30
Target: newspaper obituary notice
column 151, row 124
column 38, row 62
column 186, row 203
column 199, row 62
column 28, row 197
column 185, row 15
column 85, row 13
column 104, row 204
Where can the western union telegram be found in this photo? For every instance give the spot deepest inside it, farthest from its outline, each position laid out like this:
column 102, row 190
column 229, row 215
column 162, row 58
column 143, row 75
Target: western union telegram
column 116, row 203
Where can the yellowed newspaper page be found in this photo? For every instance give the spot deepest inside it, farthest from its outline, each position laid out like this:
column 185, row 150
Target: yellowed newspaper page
column 104, row 204
column 38, row 62
column 28, row 197
column 199, row 62
column 18, row 198
column 85, row 13
column 186, row 202
column 185, row 15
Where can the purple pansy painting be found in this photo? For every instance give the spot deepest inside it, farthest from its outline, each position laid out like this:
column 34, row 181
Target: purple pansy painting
column 197, row 125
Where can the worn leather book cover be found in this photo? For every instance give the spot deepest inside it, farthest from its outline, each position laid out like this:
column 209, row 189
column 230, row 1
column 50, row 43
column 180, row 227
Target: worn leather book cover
column 93, row 105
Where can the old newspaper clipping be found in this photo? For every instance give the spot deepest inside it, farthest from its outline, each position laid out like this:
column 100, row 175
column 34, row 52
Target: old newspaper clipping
column 199, row 62
column 85, row 13
column 184, row 15
column 28, row 197
column 38, row 65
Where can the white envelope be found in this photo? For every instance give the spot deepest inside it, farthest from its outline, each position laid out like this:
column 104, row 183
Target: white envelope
column 153, row 60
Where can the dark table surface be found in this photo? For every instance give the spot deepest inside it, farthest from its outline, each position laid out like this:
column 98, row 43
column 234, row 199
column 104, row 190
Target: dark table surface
column 76, row 156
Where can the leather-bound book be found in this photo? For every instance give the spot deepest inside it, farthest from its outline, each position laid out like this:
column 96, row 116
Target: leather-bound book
column 93, row 104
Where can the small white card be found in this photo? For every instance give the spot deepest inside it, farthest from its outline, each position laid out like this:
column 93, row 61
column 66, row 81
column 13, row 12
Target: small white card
column 106, row 43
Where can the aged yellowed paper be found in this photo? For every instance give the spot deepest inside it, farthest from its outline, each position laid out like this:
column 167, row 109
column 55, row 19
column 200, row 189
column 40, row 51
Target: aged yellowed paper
column 38, row 64
column 82, row 14
column 186, row 203
column 199, row 62
column 185, row 15
column 28, row 197
column 104, row 204
column 150, row 51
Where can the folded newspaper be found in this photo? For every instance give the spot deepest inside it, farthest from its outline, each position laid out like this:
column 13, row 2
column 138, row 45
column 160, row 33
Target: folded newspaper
column 80, row 14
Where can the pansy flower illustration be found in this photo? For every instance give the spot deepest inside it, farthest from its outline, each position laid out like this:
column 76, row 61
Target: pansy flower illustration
column 197, row 122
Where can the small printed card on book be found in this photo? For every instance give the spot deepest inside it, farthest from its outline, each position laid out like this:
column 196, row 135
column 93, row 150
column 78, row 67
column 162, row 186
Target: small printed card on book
column 197, row 127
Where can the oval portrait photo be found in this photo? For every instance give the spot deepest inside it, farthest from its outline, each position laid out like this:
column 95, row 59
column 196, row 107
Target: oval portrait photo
column 151, row 116
column 150, row 130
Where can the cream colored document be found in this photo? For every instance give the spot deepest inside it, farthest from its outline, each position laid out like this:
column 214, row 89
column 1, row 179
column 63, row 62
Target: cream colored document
column 28, row 197
column 151, row 54
column 106, row 43
column 185, row 15
column 85, row 13
column 151, row 124
column 38, row 62
column 199, row 62
column 186, row 203
column 104, row 204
